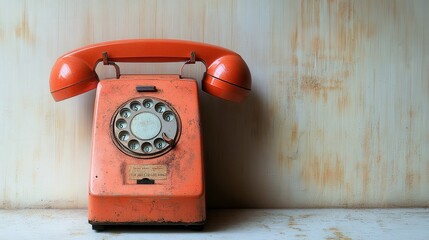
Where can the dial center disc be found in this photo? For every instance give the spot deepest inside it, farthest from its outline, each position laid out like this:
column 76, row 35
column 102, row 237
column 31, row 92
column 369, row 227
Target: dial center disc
column 145, row 125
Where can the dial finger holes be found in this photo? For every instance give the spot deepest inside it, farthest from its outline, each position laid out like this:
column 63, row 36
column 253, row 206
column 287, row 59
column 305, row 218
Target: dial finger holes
column 168, row 116
column 160, row 107
column 160, row 143
column 135, row 106
column 133, row 144
column 125, row 113
column 146, row 147
column 121, row 124
column 139, row 126
column 124, row 136
column 148, row 103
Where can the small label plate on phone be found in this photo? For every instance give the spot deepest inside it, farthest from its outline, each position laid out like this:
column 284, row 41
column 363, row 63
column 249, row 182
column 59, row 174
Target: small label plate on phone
column 155, row 172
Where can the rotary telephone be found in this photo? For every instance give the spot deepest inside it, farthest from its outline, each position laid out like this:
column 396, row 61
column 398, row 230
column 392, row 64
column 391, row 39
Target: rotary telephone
column 146, row 155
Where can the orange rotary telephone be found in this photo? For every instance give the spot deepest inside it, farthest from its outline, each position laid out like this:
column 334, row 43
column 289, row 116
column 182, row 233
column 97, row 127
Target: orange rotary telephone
column 146, row 154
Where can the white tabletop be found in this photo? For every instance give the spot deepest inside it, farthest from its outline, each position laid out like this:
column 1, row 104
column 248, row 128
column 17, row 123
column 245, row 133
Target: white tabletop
column 229, row 224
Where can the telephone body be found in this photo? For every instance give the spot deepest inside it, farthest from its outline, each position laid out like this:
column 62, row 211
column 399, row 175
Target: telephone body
column 146, row 155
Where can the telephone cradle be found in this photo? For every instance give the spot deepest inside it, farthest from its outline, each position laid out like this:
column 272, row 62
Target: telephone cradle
column 147, row 163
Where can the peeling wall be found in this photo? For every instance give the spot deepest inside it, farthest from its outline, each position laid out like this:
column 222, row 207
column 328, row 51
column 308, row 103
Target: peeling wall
column 337, row 116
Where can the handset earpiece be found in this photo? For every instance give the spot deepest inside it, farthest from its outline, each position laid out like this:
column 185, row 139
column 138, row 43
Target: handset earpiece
column 228, row 77
column 71, row 76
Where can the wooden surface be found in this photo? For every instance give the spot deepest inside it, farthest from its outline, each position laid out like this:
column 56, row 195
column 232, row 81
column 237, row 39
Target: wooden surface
column 327, row 224
column 337, row 116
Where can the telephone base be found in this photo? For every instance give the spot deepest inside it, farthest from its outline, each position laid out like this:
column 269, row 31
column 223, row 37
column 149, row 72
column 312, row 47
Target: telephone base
column 165, row 188
column 126, row 210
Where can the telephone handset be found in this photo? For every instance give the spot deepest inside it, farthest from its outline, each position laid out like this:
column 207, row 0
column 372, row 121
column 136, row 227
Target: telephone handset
column 146, row 153
column 227, row 74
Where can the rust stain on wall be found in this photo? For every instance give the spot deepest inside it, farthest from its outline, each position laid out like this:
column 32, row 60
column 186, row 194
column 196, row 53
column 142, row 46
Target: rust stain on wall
column 371, row 167
column 329, row 57
column 23, row 31
column 294, row 132
column 411, row 113
column 317, row 84
column 411, row 180
column 317, row 47
column 310, row 15
column 350, row 29
column 294, row 45
column 364, row 171
column 331, row 35
column 366, row 142
column 412, row 177
column 286, row 129
column 343, row 102
column 323, row 171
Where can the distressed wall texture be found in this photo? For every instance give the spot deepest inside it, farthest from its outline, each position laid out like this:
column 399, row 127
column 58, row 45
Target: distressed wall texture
column 338, row 115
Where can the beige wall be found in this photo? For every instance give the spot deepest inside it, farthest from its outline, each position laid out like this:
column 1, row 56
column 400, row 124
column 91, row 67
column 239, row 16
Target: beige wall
column 338, row 115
